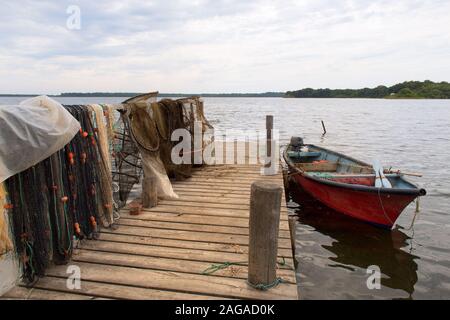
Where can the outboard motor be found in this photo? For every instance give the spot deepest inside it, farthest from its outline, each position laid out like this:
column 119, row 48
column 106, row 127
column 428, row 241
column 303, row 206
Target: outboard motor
column 296, row 143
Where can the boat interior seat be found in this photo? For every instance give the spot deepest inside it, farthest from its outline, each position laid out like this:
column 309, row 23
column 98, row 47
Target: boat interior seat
column 304, row 154
column 317, row 167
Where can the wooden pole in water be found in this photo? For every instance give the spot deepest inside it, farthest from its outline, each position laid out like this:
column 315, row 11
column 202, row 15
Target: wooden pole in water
column 149, row 192
column 265, row 205
column 323, row 127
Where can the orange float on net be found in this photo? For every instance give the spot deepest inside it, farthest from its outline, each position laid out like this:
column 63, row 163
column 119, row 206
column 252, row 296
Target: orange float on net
column 8, row 206
column 85, row 134
column 77, row 228
column 93, row 222
column 65, row 199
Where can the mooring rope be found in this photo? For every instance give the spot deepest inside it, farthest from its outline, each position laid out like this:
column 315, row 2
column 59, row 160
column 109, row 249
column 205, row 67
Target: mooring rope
column 265, row 287
column 416, row 214
column 382, row 207
column 216, row 267
column 259, row 286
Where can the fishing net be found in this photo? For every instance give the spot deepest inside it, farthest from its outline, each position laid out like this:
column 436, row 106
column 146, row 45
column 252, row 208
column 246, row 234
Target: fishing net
column 62, row 197
column 151, row 125
column 144, row 134
column 5, row 240
column 169, row 116
column 30, row 220
column 126, row 165
column 193, row 113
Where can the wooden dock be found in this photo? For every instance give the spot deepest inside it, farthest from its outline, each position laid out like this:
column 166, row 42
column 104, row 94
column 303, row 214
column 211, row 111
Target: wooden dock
column 162, row 253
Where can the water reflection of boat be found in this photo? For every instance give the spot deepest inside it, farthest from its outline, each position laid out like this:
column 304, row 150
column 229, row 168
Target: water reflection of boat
column 356, row 245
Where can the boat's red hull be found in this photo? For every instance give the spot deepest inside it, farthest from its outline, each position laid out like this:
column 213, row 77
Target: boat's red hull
column 378, row 208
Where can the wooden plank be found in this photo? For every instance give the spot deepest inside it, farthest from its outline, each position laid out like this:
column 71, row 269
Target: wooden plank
column 168, row 264
column 242, row 179
column 211, row 205
column 195, row 192
column 212, row 199
column 22, row 293
column 222, row 184
column 204, row 211
column 115, row 291
column 207, row 198
column 173, row 253
column 189, row 235
column 171, row 243
column 179, row 282
column 194, row 218
column 217, row 186
column 192, row 227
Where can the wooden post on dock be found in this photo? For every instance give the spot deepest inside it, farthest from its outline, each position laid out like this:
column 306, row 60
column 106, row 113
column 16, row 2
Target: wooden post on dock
column 269, row 166
column 265, row 204
column 269, row 128
column 149, row 192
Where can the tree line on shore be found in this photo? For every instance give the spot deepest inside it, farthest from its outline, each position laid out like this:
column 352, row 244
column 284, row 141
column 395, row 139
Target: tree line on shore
column 406, row 90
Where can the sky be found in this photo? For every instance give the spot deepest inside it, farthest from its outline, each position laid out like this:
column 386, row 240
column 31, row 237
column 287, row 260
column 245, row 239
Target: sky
column 202, row 46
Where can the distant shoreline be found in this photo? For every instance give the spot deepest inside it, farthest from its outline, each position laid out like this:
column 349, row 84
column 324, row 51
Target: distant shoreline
column 166, row 95
column 213, row 96
column 405, row 90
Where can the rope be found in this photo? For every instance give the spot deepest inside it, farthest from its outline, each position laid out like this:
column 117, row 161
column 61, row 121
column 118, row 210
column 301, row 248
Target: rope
column 216, row 267
column 382, row 207
column 259, row 286
column 265, row 287
column 416, row 214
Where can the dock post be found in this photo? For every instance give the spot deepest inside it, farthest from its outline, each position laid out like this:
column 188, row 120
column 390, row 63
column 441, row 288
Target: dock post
column 269, row 129
column 149, row 192
column 265, row 205
column 269, row 166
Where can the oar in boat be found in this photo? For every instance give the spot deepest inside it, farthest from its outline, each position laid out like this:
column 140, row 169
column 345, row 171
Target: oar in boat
column 380, row 179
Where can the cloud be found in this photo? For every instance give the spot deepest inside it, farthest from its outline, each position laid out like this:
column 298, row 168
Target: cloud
column 221, row 46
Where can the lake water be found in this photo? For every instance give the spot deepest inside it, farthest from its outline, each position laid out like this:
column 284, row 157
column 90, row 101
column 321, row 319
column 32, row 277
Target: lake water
column 333, row 252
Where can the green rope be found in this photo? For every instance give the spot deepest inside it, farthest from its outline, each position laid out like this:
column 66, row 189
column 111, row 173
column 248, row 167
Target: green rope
column 216, row 267
column 265, row 287
column 284, row 264
column 65, row 209
column 30, row 257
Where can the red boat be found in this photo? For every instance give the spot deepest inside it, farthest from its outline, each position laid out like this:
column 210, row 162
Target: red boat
column 350, row 186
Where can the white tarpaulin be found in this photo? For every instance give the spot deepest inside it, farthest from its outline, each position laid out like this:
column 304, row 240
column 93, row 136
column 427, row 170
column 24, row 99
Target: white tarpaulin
column 31, row 132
